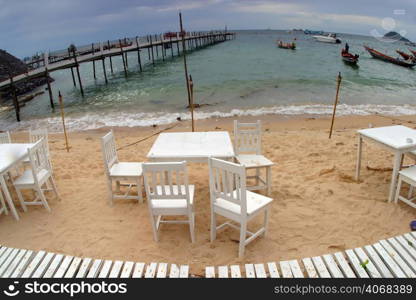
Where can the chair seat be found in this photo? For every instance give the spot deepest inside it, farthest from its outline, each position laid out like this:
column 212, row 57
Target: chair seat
column 255, row 202
column 253, row 160
column 409, row 173
column 126, row 169
column 27, row 177
column 173, row 203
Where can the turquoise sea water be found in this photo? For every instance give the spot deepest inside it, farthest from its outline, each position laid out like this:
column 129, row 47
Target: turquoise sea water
column 248, row 75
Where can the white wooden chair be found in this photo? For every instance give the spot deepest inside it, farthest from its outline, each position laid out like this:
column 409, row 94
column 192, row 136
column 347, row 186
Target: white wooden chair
column 34, row 136
column 169, row 194
column 408, row 176
column 247, row 147
column 5, row 137
column 230, row 199
column 130, row 173
column 36, row 177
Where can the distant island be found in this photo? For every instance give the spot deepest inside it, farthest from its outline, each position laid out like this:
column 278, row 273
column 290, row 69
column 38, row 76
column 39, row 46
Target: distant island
column 393, row 35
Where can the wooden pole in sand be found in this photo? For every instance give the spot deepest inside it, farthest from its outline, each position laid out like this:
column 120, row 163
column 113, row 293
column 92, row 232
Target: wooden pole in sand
column 339, row 78
column 61, row 105
column 184, row 58
column 191, row 106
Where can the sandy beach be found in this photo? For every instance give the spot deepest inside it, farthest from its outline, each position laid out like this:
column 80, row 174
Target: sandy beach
column 318, row 207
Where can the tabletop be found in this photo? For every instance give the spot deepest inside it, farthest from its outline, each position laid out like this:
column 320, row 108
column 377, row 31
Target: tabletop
column 12, row 153
column 192, row 146
column 398, row 137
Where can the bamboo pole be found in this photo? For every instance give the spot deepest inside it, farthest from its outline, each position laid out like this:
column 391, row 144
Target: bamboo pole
column 339, row 78
column 184, row 57
column 191, row 106
column 61, row 105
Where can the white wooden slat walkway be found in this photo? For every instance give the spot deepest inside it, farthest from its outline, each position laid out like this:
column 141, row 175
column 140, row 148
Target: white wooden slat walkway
column 388, row 258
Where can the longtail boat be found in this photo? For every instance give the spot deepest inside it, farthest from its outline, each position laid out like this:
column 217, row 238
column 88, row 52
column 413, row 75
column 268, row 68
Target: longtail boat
column 405, row 55
column 291, row 46
column 413, row 52
column 397, row 61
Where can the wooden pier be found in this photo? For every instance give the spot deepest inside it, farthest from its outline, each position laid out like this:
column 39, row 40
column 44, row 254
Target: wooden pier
column 157, row 47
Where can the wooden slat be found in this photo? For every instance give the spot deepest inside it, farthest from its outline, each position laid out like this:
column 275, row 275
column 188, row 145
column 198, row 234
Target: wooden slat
column 222, row 272
column 5, row 255
column 162, row 270
column 390, row 263
column 355, row 262
column 43, row 266
column 53, row 267
column 8, row 261
column 30, row 269
column 235, row 271
column 84, row 268
column 285, row 268
column 369, row 265
column 138, row 270
column 115, row 271
column 378, row 262
column 151, row 270
column 408, row 247
column 260, row 271
column 250, row 271
column 105, row 270
column 274, row 273
column 127, row 269
column 398, row 259
column 410, row 261
column 2, row 250
column 63, row 267
column 26, row 260
column 343, row 264
column 332, row 266
column 174, row 271
column 13, row 265
column 95, row 268
column 320, row 267
column 310, row 268
column 184, row 271
column 73, row 267
column 210, row 272
column 295, row 268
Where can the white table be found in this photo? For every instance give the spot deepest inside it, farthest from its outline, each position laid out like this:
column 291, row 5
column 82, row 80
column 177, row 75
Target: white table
column 397, row 139
column 10, row 156
column 191, row 146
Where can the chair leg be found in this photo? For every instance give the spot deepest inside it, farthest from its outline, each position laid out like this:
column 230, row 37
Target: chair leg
column 213, row 225
column 243, row 234
column 266, row 221
column 55, row 190
column 43, row 199
column 192, row 226
column 269, row 180
column 21, row 200
column 110, row 191
column 139, row 189
column 399, row 186
column 154, row 227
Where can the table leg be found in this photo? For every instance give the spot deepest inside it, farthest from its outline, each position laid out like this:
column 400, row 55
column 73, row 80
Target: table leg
column 359, row 150
column 396, row 168
column 8, row 197
column 269, row 180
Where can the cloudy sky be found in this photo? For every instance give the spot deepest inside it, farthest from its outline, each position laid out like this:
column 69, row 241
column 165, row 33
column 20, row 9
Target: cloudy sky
column 27, row 26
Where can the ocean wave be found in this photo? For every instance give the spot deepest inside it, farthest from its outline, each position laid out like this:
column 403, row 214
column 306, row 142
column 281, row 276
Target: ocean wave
column 131, row 119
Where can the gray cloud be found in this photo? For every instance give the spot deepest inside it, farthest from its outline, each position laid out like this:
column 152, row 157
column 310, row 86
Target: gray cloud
column 28, row 26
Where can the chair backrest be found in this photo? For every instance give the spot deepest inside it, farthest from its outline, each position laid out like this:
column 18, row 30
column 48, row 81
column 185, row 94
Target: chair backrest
column 5, row 138
column 108, row 144
column 167, row 180
column 38, row 134
column 227, row 181
column 247, row 137
column 38, row 157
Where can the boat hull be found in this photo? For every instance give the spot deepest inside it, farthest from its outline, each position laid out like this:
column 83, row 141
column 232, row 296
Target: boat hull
column 378, row 55
column 327, row 39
